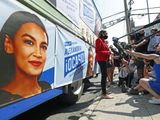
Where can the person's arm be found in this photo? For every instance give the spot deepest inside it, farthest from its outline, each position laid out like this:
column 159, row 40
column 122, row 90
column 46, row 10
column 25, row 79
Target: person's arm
column 125, row 63
column 144, row 56
column 141, row 43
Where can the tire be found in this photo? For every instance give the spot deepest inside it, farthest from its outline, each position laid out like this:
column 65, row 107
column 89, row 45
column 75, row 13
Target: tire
column 73, row 93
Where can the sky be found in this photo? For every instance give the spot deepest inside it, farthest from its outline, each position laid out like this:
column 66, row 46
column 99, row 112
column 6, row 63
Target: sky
column 110, row 7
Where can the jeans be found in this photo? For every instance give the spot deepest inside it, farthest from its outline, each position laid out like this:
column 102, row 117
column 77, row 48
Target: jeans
column 140, row 67
column 103, row 67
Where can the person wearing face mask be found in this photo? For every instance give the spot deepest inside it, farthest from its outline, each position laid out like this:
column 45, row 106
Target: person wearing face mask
column 102, row 57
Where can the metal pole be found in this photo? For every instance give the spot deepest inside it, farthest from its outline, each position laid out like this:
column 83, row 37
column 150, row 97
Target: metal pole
column 127, row 19
column 148, row 11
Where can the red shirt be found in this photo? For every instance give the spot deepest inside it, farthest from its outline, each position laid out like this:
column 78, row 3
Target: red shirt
column 102, row 50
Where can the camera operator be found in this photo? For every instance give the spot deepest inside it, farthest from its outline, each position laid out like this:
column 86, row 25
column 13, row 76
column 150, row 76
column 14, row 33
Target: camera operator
column 139, row 46
column 116, row 56
column 139, row 43
column 124, row 64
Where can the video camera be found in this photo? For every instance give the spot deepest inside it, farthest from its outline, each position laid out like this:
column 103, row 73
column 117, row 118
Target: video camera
column 121, row 46
column 120, row 52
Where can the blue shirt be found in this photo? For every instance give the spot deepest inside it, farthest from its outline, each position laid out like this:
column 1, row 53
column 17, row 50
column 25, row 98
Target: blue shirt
column 153, row 41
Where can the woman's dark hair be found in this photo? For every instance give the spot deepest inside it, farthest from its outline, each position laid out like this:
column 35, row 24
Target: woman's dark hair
column 102, row 34
column 10, row 27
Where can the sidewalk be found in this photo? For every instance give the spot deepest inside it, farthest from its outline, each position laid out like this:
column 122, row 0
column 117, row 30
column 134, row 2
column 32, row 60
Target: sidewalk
column 122, row 107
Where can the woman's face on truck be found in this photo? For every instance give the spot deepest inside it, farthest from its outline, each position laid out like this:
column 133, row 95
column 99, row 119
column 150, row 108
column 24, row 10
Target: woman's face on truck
column 29, row 48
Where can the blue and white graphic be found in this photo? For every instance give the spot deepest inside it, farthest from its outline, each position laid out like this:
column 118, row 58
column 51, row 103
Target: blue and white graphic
column 88, row 13
column 73, row 62
column 70, row 8
column 71, row 58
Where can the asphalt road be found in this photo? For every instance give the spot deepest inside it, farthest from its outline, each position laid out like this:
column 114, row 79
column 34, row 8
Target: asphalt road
column 52, row 110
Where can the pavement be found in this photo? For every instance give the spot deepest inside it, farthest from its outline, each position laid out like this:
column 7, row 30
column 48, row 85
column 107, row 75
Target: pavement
column 122, row 107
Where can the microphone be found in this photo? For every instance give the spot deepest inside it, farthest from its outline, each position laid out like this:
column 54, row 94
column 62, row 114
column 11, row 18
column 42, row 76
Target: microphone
column 151, row 24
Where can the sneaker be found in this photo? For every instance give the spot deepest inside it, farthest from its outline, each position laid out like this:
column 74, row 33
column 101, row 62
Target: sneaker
column 133, row 92
column 152, row 98
column 124, row 88
column 154, row 101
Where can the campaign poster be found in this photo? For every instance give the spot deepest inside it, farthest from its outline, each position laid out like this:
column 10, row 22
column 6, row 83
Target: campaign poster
column 27, row 42
column 71, row 58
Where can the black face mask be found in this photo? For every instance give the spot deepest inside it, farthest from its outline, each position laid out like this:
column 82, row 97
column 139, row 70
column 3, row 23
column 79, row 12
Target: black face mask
column 105, row 37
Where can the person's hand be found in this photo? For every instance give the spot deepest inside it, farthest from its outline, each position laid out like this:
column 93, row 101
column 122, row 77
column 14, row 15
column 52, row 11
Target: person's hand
column 146, row 62
column 134, row 46
column 129, row 52
column 124, row 62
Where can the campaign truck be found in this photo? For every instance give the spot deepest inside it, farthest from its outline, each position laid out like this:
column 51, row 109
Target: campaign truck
column 46, row 51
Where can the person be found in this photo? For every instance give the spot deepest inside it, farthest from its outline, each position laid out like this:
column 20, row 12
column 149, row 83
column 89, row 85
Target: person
column 153, row 87
column 23, row 48
column 123, row 75
column 110, row 67
column 102, row 57
column 154, row 39
column 140, row 45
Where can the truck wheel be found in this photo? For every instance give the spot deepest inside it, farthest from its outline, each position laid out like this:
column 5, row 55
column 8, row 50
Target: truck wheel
column 72, row 93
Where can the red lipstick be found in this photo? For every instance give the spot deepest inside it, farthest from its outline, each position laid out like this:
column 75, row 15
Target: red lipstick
column 35, row 63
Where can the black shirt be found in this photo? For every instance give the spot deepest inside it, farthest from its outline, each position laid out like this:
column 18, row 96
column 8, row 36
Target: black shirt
column 8, row 98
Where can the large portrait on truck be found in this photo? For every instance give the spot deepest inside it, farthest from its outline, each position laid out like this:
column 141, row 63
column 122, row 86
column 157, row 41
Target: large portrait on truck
column 25, row 38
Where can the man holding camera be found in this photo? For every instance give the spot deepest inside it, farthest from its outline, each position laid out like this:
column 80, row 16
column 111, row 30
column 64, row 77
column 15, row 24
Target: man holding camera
column 140, row 45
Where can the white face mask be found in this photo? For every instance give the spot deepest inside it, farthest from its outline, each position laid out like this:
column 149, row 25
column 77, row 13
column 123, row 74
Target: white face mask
column 131, row 61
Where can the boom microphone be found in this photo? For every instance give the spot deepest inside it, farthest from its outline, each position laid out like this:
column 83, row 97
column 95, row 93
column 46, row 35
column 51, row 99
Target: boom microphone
column 145, row 26
column 151, row 24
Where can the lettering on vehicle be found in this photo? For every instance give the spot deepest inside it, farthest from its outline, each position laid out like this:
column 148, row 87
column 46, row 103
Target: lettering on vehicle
column 73, row 62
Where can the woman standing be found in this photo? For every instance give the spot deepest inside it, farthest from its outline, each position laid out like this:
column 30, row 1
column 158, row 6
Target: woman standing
column 102, row 57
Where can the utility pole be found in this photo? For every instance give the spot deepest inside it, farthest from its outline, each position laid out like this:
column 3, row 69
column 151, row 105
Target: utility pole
column 148, row 11
column 127, row 19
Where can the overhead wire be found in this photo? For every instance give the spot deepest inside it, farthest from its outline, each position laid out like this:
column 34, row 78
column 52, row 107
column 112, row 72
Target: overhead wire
column 131, row 10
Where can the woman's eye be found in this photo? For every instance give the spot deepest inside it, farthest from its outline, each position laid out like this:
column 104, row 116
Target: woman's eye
column 44, row 47
column 28, row 42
